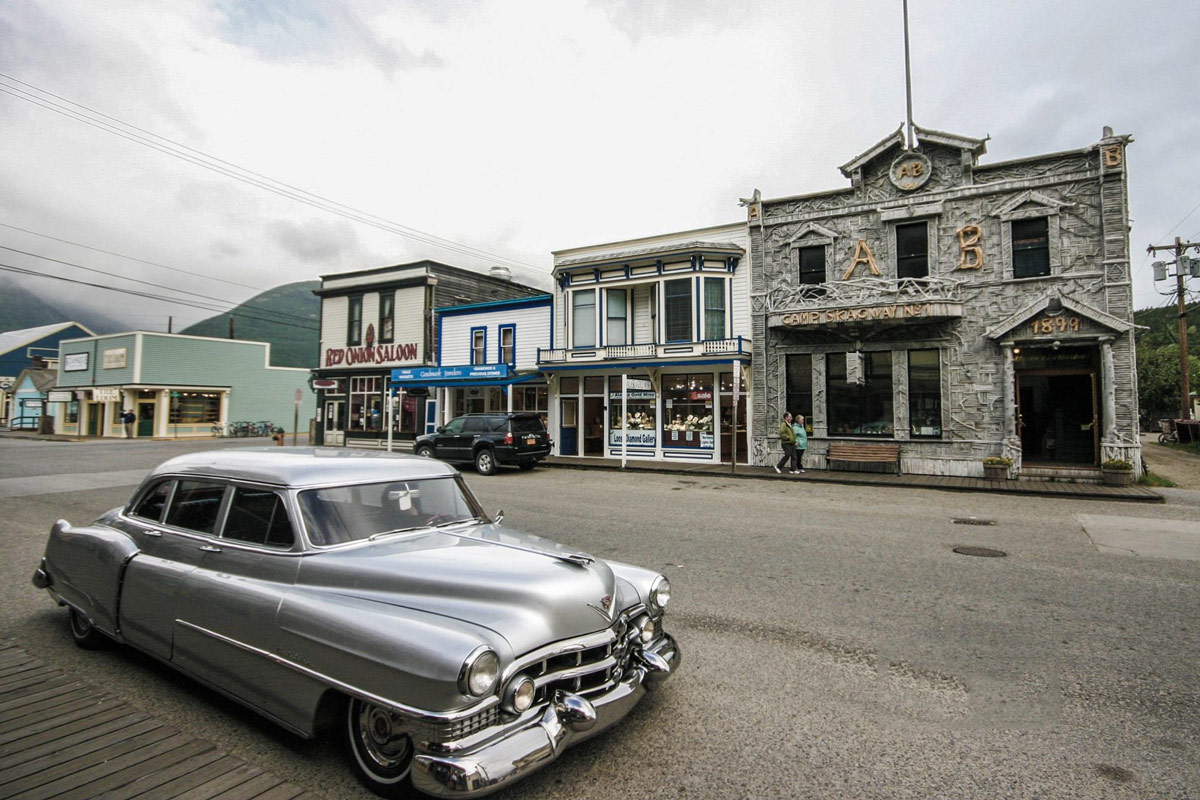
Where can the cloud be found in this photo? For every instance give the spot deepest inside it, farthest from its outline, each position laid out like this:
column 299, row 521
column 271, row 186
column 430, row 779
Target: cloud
column 308, row 30
column 315, row 241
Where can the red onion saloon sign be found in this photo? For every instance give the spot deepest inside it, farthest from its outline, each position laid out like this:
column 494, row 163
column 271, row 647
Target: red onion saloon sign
column 370, row 353
column 377, row 354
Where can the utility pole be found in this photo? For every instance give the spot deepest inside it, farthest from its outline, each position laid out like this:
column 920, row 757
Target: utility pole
column 1180, row 247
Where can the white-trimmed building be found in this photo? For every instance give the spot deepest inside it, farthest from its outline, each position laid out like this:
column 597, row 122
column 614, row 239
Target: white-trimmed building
column 649, row 335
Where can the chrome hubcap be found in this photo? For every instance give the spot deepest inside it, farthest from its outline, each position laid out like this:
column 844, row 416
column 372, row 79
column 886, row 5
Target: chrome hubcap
column 382, row 740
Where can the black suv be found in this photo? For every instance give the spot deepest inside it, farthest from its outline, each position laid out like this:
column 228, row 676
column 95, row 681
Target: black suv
column 489, row 440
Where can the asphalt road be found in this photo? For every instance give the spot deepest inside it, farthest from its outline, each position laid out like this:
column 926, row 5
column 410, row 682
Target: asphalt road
column 835, row 645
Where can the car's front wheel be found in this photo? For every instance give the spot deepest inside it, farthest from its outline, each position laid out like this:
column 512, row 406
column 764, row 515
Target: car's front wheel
column 425, row 451
column 381, row 751
column 84, row 632
column 485, row 462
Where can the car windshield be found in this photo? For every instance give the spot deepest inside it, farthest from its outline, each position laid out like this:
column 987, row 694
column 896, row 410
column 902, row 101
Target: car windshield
column 341, row 514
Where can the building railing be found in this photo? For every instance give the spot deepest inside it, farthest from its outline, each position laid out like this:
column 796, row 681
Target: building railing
column 667, row 351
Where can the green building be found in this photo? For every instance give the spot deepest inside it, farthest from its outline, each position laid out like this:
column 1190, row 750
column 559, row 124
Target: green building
column 177, row 386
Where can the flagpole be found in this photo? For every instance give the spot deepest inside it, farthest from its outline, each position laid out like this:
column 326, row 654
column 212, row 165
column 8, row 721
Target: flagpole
column 907, row 81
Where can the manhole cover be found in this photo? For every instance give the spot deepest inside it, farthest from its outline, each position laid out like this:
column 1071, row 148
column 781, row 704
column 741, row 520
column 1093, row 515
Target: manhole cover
column 982, row 552
column 972, row 521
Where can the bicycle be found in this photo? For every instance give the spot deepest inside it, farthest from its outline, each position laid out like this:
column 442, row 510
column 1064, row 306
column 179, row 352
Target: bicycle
column 1170, row 434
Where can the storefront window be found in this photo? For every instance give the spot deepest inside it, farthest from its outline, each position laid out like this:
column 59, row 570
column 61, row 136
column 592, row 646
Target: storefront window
column 799, row 386
column 640, row 420
column 688, row 411
column 72, row 412
column 924, row 393
column 366, row 404
column 189, row 408
column 860, row 393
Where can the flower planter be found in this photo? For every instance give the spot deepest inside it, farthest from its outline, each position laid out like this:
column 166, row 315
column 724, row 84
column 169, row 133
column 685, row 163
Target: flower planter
column 1116, row 477
column 995, row 473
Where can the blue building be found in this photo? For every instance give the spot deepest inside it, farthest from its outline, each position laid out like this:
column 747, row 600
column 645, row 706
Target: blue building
column 29, row 348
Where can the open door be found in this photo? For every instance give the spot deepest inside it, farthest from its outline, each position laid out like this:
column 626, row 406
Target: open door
column 1058, row 417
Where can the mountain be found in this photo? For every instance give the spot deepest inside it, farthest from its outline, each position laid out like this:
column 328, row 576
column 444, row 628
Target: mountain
column 21, row 308
column 1163, row 324
column 288, row 316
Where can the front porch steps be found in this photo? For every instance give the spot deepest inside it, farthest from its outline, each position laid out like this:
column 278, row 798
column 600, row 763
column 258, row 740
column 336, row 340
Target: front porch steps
column 1059, row 472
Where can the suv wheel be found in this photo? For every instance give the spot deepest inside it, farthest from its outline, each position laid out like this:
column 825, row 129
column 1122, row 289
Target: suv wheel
column 485, row 462
column 425, row 451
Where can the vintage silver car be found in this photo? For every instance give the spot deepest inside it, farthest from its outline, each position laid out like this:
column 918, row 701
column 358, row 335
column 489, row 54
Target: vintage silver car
column 368, row 594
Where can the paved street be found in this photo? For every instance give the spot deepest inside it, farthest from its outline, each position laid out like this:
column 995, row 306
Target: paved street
column 835, row 644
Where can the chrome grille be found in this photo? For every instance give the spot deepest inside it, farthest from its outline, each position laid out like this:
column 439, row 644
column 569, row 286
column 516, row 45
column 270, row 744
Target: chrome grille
column 585, row 667
column 427, row 731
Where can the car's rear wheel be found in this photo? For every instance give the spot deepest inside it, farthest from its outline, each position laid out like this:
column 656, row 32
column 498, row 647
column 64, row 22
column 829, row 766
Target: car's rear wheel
column 485, row 462
column 380, row 750
column 425, row 451
column 84, row 632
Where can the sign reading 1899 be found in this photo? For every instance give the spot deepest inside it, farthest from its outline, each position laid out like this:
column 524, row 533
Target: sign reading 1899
column 1059, row 324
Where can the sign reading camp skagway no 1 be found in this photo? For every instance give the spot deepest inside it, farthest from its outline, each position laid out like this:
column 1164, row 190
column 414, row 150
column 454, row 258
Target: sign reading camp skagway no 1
column 894, row 311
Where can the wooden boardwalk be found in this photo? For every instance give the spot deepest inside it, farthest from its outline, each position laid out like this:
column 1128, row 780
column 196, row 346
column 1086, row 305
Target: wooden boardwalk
column 62, row 739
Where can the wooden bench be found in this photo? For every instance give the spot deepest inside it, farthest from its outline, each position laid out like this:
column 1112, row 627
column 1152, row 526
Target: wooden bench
column 861, row 457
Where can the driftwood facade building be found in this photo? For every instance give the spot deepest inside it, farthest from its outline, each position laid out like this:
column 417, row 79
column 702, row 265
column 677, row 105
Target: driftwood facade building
column 937, row 311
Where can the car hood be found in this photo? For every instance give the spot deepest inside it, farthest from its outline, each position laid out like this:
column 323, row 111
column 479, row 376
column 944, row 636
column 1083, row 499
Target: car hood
column 524, row 588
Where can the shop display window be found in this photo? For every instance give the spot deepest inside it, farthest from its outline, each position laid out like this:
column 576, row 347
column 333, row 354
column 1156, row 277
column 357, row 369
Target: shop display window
column 366, row 404
column 924, row 393
column 688, row 411
column 860, row 393
column 640, row 420
column 799, row 386
column 189, row 408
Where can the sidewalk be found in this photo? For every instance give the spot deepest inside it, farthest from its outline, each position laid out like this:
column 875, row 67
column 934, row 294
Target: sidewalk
column 1076, row 491
column 1093, row 491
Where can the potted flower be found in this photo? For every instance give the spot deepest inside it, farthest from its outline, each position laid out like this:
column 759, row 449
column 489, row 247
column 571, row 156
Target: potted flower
column 1116, row 472
column 995, row 468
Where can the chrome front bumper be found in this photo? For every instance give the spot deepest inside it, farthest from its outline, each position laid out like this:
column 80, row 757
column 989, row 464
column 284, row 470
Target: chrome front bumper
column 568, row 720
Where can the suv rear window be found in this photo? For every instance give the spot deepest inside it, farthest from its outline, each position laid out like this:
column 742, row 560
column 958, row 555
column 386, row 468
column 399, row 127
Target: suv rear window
column 527, row 425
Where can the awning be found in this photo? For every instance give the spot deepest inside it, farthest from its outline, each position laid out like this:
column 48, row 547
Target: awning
column 474, row 375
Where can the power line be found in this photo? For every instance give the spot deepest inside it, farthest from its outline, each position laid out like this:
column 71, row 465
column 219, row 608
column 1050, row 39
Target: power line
column 160, row 298
column 199, row 158
column 131, row 280
column 132, row 258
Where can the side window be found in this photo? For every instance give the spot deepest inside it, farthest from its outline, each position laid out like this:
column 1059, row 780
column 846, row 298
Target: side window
column 455, row 425
column 196, row 505
column 475, row 425
column 498, row 424
column 258, row 516
column 152, row 503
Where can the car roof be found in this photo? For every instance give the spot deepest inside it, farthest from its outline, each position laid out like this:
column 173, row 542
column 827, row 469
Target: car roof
column 303, row 467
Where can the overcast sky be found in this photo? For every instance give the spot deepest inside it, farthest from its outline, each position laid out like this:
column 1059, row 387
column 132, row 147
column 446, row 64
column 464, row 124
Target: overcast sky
column 516, row 128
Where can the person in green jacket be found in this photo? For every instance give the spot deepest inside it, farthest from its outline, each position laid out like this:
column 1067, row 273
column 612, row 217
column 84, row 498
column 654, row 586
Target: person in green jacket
column 801, row 442
column 787, row 437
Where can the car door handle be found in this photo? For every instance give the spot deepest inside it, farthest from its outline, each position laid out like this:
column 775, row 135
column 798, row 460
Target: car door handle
column 152, row 533
column 208, row 548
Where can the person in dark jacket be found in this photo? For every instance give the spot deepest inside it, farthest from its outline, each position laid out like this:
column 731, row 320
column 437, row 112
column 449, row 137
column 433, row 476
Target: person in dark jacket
column 787, row 437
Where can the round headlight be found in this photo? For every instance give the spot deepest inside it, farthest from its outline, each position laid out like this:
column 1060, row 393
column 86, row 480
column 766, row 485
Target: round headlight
column 660, row 592
column 479, row 673
column 646, row 629
column 519, row 695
